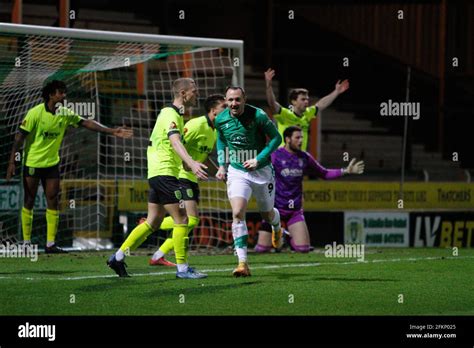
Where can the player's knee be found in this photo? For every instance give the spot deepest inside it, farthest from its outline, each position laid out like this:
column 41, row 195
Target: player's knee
column 29, row 202
column 180, row 219
column 52, row 202
column 52, row 198
column 154, row 222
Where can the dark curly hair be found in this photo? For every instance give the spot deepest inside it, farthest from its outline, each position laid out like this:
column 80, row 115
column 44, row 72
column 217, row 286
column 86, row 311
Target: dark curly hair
column 51, row 87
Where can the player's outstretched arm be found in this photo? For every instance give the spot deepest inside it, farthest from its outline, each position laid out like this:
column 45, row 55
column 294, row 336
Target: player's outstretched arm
column 328, row 174
column 197, row 167
column 121, row 132
column 17, row 144
column 271, row 100
column 355, row 168
column 340, row 88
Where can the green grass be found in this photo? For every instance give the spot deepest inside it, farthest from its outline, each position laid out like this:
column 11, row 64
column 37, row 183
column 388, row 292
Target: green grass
column 432, row 282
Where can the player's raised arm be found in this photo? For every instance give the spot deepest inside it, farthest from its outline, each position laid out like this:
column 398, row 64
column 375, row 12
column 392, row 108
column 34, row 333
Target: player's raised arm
column 178, row 147
column 120, row 132
column 340, row 88
column 271, row 100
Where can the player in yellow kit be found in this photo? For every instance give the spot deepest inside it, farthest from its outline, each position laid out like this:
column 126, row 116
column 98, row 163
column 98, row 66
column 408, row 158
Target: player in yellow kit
column 165, row 155
column 299, row 113
column 199, row 140
column 43, row 129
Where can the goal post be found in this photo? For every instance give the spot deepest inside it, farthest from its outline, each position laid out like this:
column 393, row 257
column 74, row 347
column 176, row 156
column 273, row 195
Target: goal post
column 117, row 79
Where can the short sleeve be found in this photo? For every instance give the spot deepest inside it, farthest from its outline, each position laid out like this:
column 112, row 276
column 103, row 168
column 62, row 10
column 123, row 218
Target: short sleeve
column 311, row 112
column 29, row 122
column 170, row 121
column 284, row 115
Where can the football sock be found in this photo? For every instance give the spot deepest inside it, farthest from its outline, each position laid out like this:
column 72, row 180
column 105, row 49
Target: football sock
column 158, row 254
column 52, row 222
column 240, row 235
column 164, row 249
column 135, row 238
column 182, row 267
column 167, row 223
column 167, row 246
column 179, row 233
column 193, row 221
column 26, row 223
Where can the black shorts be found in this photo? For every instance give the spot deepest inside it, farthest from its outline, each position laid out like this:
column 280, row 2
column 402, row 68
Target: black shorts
column 164, row 189
column 190, row 190
column 42, row 173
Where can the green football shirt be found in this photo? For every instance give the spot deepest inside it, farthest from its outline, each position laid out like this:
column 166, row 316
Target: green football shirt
column 244, row 137
column 162, row 159
column 286, row 118
column 44, row 134
column 199, row 140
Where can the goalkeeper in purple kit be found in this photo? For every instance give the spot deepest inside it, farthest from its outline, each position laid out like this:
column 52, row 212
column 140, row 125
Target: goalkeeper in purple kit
column 291, row 164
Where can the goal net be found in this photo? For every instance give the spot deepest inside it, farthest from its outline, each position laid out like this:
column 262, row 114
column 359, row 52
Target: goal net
column 116, row 79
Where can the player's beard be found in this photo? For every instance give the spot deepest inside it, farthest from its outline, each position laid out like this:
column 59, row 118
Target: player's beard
column 295, row 148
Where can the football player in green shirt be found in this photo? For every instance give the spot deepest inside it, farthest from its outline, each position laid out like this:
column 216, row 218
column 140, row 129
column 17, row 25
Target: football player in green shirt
column 165, row 155
column 241, row 142
column 299, row 113
column 199, row 141
column 42, row 131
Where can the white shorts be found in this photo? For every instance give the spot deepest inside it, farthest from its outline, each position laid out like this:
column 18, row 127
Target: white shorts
column 261, row 182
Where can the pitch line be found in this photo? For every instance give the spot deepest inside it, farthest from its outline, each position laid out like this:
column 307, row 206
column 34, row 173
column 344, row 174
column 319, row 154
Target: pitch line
column 310, row 264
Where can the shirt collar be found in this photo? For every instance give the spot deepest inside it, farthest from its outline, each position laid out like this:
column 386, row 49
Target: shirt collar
column 47, row 109
column 209, row 122
column 175, row 109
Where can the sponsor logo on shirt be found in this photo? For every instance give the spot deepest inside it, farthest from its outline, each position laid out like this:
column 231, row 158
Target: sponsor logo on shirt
column 291, row 172
column 205, row 149
column 173, row 126
column 237, row 139
column 50, row 135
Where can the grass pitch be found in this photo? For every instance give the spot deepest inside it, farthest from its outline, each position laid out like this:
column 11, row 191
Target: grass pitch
column 431, row 281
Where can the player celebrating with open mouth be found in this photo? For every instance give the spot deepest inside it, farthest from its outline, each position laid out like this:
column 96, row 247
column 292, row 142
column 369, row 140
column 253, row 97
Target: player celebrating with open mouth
column 241, row 142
